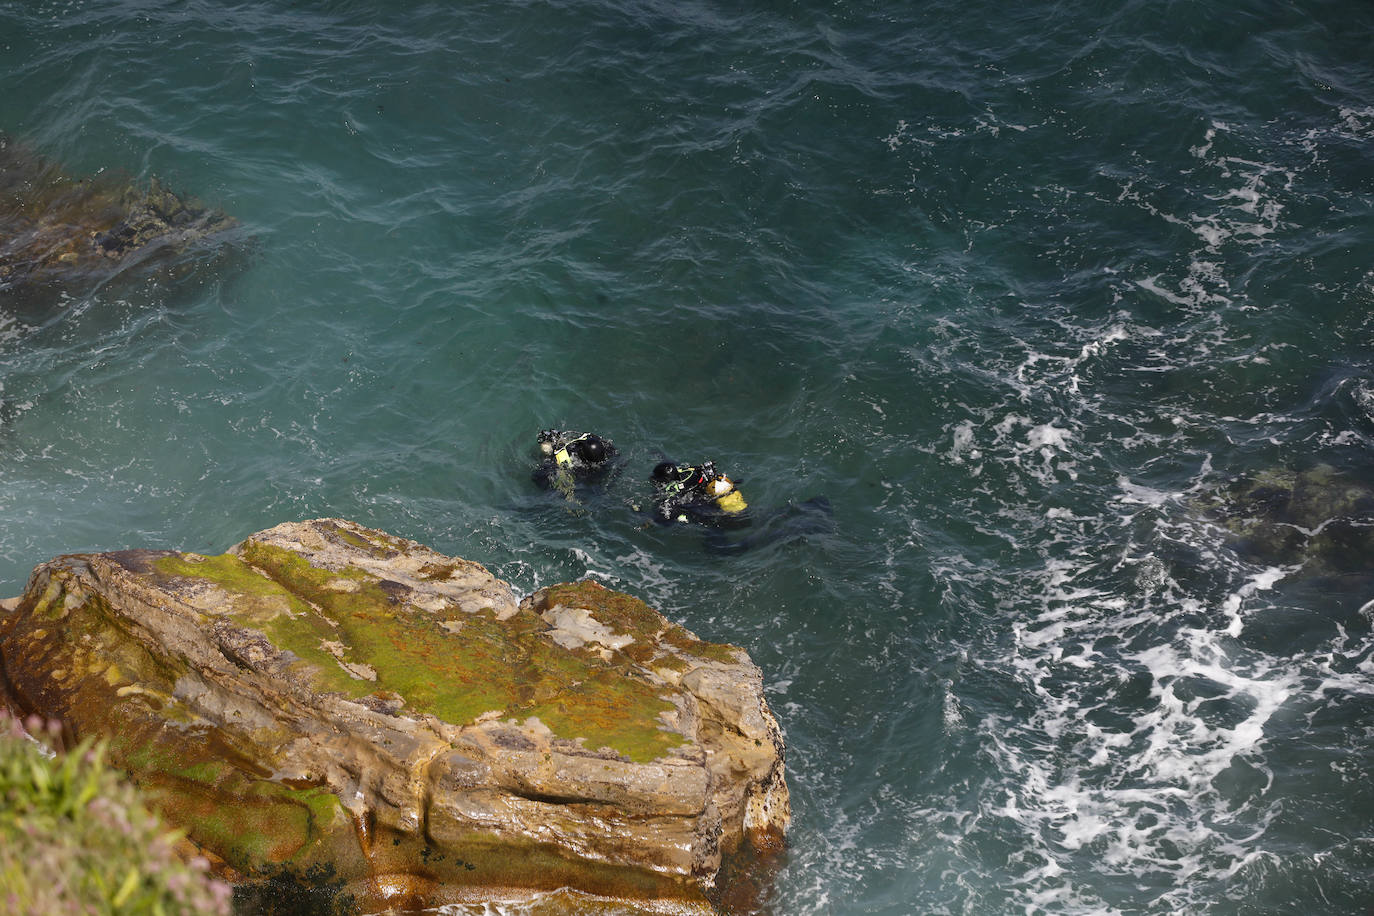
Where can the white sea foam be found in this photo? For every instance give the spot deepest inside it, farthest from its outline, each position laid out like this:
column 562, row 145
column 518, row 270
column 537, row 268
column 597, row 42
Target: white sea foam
column 952, row 714
column 593, row 568
column 1143, row 752
column 1171, row 790
column 552, row 903
column 1135, row 493
column 650, row 571
column 1246, row 211
column 963, row 443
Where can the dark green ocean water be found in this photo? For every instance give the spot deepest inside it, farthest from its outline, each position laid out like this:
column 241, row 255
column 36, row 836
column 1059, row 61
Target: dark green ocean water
column 1011, row 284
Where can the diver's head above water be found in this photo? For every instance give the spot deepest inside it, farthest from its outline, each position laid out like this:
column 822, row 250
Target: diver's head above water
column 566, row 457
column 589, row 448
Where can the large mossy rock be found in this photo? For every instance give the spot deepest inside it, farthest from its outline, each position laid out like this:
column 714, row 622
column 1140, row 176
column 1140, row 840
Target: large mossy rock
column 1318, row 519
column 330, row 705
column 62, row 234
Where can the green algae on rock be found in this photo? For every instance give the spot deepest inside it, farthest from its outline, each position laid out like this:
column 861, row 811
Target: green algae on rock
column 1318, row 520
column 329, row 700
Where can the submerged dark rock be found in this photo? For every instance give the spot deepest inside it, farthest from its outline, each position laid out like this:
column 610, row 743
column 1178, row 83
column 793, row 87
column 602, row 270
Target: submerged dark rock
column 63, row 234
column 1319, row 519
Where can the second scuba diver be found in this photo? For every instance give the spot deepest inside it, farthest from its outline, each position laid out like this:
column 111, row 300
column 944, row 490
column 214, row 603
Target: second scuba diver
column 695, row 493
column 569, row 457
column 698, row 493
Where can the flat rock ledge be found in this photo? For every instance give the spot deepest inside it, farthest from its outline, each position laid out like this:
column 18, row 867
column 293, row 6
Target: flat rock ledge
column 353, row 716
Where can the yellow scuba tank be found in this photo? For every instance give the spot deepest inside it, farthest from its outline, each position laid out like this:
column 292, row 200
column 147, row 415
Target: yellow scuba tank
column 732, row 502
column 727, row 497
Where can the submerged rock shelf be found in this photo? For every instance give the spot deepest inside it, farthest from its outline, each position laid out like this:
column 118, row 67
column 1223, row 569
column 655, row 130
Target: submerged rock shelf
column 59, row 233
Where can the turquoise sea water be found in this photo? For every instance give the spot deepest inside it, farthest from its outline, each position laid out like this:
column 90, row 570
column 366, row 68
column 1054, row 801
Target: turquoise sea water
column 1010, row 283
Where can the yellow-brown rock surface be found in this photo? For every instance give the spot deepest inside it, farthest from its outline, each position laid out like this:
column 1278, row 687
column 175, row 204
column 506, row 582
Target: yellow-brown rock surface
column 330, row 704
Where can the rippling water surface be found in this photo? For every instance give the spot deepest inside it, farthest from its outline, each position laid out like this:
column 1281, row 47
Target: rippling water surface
column 1013, row 285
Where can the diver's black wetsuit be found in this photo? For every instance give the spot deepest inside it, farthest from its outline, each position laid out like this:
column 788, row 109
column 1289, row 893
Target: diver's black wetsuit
column 688, row 493
column 572, row 457
column 691, row 493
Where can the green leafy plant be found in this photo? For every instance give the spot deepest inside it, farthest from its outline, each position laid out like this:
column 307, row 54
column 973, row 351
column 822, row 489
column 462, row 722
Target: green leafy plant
column 76, row 839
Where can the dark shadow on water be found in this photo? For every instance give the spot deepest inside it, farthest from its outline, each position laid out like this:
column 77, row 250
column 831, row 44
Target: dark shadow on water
column 791, row 523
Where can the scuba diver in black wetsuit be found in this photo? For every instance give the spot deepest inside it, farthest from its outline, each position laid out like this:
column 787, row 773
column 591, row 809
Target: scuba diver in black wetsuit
column 699, row 494
column 568, row 458
column 696, row 493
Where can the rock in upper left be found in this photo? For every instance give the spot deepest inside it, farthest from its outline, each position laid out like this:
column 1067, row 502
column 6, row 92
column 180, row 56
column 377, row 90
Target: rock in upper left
column 59, row 233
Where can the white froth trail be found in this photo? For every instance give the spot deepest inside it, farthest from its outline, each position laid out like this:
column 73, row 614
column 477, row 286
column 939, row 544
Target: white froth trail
column 1142, row 756
column 1141, row 794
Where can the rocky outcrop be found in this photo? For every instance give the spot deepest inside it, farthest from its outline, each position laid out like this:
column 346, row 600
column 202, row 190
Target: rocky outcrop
column 330, row 704
column 59, row 233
